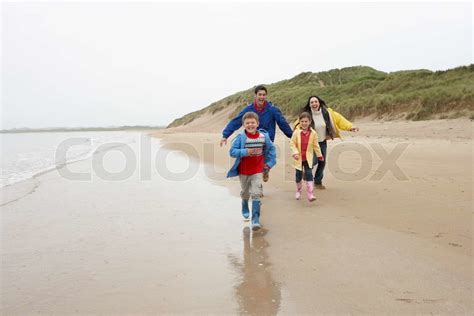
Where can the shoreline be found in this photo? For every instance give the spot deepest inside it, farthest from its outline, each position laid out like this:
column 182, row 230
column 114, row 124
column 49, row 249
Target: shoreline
column 138, row 246
column 106, row 246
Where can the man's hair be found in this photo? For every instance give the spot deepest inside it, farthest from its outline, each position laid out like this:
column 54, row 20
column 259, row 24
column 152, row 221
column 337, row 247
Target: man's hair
column 305, row 115
column 250, row 115
column 260, row 87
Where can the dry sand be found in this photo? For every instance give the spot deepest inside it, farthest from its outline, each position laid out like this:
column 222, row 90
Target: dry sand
column 373, row 242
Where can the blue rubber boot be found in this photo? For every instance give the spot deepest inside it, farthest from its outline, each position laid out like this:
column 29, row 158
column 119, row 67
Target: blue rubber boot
column 256, row 215
column 245, row 209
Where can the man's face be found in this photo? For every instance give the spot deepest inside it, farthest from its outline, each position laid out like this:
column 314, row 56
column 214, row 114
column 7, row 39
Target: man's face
column 260, row 97
column 251, row 125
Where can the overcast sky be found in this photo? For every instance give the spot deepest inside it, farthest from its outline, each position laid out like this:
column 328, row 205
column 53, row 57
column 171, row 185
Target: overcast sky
column 109, row 64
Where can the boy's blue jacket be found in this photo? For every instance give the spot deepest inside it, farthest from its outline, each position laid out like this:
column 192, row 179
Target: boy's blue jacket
column 238, row 150
column 268, row 117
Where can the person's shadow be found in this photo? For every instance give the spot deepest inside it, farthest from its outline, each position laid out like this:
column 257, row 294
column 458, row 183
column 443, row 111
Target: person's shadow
column 257, row 292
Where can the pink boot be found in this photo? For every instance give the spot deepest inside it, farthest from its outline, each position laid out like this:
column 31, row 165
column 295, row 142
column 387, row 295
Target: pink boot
column 298, row 190
column 309, row 190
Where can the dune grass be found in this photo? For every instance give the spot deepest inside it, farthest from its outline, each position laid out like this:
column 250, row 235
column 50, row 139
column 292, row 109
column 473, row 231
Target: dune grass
column 363, row 91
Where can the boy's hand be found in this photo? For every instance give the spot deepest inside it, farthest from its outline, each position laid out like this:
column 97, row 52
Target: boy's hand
column 296, row 157
column 223, row 141
column 321, row 158
column 255, row 151
column 266, row 172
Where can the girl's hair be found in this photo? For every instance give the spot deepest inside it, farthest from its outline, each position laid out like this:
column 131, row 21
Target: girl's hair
column 305, row 115
column 321, row 102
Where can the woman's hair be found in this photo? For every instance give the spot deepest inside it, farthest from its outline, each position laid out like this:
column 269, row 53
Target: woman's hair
column 321, row 102
column 305, row 115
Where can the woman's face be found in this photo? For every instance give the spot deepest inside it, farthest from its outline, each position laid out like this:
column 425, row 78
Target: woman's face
column 314, row 103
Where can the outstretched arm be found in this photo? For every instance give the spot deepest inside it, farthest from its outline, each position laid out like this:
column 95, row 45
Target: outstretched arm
column 343, row 123
column 232, row 126
column 282, row 123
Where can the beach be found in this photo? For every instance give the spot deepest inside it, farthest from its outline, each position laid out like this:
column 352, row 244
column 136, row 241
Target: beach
column 373, row 242
column 169, row 237
column 143, row 244
column 114, row 194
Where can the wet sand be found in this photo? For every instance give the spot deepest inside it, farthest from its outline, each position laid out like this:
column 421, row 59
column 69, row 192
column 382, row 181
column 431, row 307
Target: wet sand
column 179, row 245
column 372, row 242
column 135, row 246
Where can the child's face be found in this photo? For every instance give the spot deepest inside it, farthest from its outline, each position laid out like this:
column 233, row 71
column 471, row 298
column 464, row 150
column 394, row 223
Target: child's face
column 304, row 123
column 251, row 125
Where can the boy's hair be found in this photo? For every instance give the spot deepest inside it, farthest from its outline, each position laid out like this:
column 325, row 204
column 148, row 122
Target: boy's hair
column 305, row 115
column 249, row 115
column 260, row 87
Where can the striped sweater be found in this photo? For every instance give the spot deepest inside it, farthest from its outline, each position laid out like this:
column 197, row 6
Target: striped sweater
column 253, row 164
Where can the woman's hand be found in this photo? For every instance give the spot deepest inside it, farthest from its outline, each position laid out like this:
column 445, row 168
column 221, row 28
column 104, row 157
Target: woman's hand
column 321, row 158
column 354, row 129
column 296, row 157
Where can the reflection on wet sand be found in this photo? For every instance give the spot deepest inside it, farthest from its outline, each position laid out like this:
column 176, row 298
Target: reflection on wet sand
column 257, row 292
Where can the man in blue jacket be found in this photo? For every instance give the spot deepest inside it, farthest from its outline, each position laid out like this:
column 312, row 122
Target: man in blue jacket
column 268, row 115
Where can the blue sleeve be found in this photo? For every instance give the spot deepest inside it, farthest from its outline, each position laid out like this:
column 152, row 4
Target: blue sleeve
column 270, row 152
column 235, row 150
column 234, row 124
column 282, row 123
